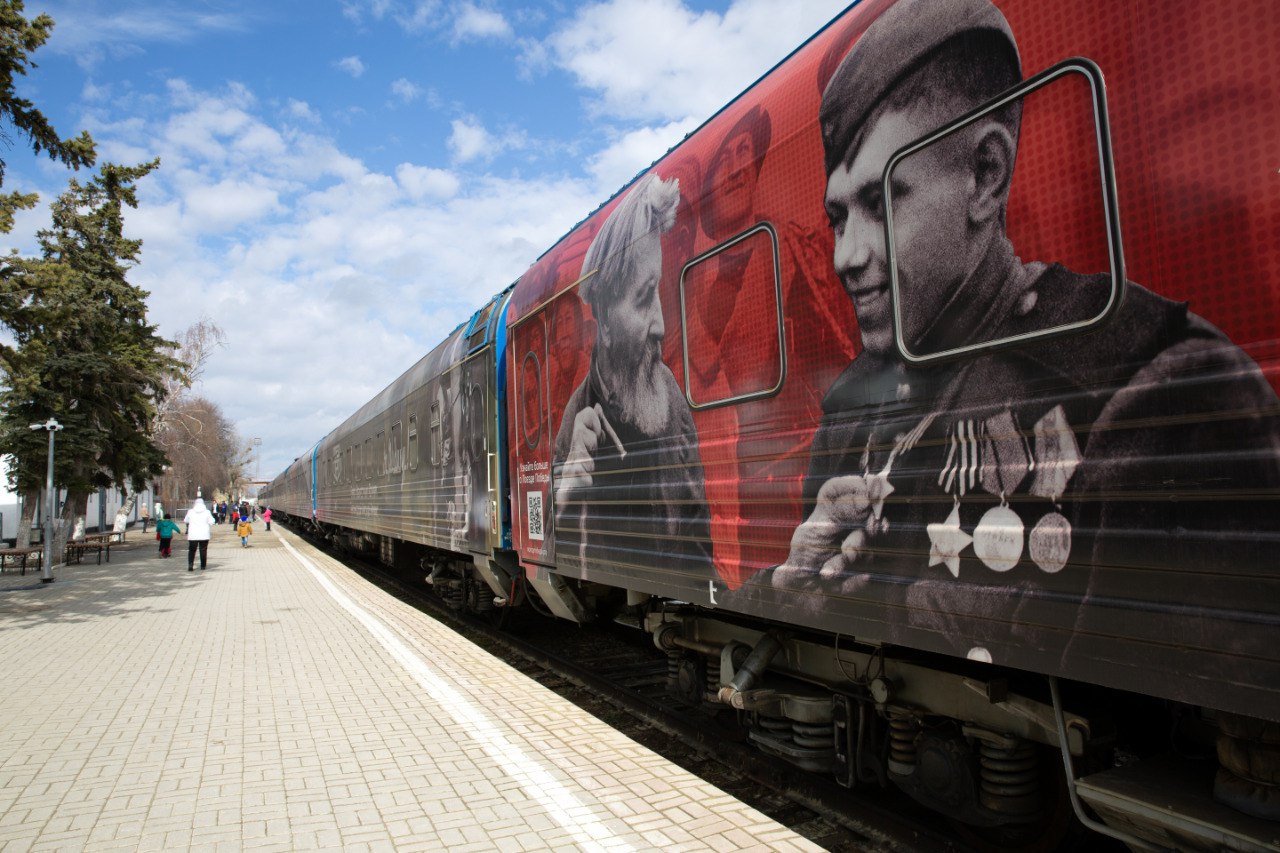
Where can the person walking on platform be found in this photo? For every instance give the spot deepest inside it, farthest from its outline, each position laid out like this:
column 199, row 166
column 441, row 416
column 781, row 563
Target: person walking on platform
column 199, row 523
column 244, row 530
column 144, row 515
column 165, row 529
column 266, row 517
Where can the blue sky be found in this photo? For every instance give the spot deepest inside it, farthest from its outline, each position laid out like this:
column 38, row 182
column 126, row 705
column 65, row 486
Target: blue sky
column 344, row 181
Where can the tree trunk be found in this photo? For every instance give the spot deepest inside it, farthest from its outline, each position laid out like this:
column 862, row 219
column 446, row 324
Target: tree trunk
column 30, row 501
column 126, row 507
column 72, row 520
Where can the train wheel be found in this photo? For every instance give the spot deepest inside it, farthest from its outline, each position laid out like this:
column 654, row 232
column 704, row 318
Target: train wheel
column 479, row 600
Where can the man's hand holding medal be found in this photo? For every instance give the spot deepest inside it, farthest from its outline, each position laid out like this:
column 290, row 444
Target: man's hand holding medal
column 832, row 547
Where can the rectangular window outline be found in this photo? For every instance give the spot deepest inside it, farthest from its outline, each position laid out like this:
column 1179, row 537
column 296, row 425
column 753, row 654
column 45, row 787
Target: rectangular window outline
column 366, row 459
column 435, row 432
column 476, row 334
column 381, row 444
column 1106, row 165
column 413, row 441
column 782, row 336
column 395, row 450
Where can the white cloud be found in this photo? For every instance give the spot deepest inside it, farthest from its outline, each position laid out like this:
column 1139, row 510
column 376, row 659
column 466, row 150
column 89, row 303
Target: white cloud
column 658, row 60
column 406, row 90
column 91, row 36
column 226, row 204
column 351, row 65
column 470, row 140
column 617, row 164
column 303, row 111
column 421, row 182
column 473, row 24
column 418, row 15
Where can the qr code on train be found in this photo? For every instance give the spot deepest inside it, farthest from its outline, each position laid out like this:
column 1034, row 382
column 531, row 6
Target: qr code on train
column 535, row 515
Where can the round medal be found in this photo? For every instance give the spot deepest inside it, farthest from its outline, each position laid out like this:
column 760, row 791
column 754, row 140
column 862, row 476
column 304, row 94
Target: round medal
column 1050, row 543
column 997, row 541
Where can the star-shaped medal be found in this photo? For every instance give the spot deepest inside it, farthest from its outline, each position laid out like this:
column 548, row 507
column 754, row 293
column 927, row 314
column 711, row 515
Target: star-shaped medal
column 947, row 540
column 879, row 488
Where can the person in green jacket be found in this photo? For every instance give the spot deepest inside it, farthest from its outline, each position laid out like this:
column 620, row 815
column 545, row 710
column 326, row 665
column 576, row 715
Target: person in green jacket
column 165, row 530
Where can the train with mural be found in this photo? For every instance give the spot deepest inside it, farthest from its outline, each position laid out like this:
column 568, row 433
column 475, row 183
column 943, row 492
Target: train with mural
column 922, row 404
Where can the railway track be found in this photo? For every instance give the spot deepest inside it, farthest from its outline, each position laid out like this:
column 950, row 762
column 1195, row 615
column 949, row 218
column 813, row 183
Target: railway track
column 614, row 672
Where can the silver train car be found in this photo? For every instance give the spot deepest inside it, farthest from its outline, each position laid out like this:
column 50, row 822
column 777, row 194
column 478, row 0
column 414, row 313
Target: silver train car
column 417, row 474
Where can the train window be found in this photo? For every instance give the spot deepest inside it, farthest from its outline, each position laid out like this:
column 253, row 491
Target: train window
column 435, row 432
column 476, row 333
column 381, row 444
column 1054, row 127
column 413, row 442
column 395, row 451
column 366, row 459
column 337, row 466
column 731, row 321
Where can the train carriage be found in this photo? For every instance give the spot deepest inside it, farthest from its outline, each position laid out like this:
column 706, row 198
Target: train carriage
column 421, row 464
column 922, row 401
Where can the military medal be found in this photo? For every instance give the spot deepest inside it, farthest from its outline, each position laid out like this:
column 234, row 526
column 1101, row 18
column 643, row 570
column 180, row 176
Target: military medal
column 947, row 540
column 997, row 541
column 1050, row 542
column 1057, row 456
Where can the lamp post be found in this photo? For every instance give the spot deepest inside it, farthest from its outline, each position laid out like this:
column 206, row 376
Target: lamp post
column 46, row 573
column 257, row 465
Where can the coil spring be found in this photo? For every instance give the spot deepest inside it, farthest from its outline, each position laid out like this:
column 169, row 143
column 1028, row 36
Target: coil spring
column 673, row 668
column 902, row 740
column 713, row 679
column 778, row 727
column 814, row 735
column 483, row 597
column 1007, row 774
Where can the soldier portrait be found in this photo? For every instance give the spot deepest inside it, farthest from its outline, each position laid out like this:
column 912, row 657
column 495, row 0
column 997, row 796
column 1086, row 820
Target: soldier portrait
column 1008, row 501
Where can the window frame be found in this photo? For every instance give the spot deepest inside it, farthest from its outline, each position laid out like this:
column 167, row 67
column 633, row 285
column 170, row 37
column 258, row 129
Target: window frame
column 434, row 424
column 759, row 227
column 412, row 443
column 1106, row 165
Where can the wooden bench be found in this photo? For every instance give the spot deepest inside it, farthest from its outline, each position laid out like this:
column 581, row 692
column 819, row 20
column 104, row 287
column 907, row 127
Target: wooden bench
column 99, row 543
column 21, row 555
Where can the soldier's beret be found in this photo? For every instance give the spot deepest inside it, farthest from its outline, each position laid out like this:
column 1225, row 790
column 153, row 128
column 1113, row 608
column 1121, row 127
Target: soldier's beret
column 902, row 39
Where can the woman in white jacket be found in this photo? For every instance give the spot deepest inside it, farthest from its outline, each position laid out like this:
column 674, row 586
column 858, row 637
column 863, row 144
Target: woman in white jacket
column 199, row 522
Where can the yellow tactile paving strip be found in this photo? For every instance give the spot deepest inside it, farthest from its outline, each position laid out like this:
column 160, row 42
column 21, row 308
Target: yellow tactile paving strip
column 278, row 702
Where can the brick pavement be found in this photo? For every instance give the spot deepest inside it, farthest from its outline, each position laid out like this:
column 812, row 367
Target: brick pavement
column 278, row 702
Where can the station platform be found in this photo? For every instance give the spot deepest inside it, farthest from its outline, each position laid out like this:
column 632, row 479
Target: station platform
column 276, row 701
